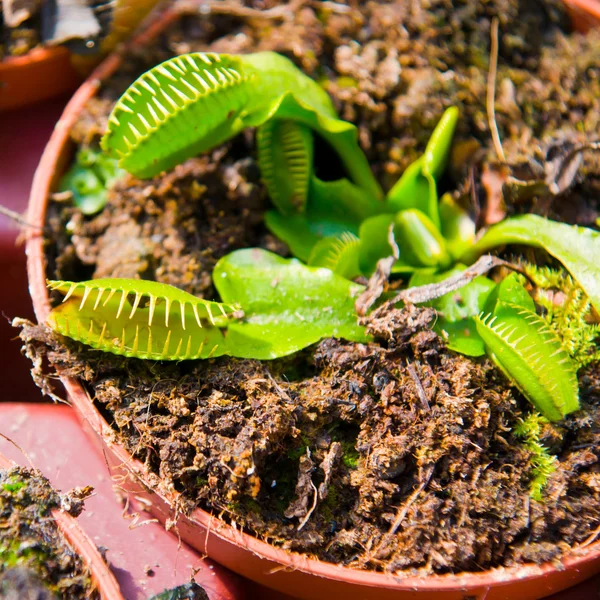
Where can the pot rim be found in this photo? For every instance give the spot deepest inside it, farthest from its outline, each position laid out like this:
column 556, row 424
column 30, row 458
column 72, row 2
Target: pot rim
column 37, row 75
column 35, row 55
column 588, row 9
column 102, row 577
column 46, row 173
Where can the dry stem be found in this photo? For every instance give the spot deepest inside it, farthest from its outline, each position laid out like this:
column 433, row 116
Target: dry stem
column 491, row 91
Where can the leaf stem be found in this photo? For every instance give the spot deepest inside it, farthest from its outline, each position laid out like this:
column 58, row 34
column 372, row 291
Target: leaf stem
column 491, row 92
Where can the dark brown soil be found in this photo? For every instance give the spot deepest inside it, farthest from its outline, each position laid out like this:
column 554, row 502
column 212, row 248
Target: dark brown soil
column 35, row 560
column 398, row 454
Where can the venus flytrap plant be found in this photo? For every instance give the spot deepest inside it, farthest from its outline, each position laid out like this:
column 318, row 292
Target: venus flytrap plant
column 341, row 228
column 142, row 319
column 528, row 351
column 257, row 318
column 500, row 320
column 192, row 103
column 88, row 180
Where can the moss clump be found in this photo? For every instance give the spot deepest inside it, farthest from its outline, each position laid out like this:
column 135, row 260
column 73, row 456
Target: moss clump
column 30, row 541
column 350, row 456
column 543, row 464
column 568, row 311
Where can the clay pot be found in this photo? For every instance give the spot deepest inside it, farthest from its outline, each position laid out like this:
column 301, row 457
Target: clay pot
column 68, row 456
column 46, row 72
column 584, row 13
column 38, row 75
column 105, row 582
column 289, row 573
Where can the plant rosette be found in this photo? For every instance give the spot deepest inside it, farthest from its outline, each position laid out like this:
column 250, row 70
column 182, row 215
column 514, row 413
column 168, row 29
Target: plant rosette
column 106, row 585
column 502, row 318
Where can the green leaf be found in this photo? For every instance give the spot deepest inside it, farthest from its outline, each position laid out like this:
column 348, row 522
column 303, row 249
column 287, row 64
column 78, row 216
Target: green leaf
column 141, row 319
column 334, row 209
column 457, row 309
column 420, row 242
column 509, row 291
column 88, row 180
column 374, row 234
column 412, row 190
column 531, row 355
column 288, row 306
column 438, row 148
column 417, row 188
column 89, row 193
column 577, row 248
column 285, row 157
column 457, row 227
column 178, row 109
column 461, row 336
column 192, row 103
column 341, row 202
column 340, row 135
column 295, row 231
column 340, row 254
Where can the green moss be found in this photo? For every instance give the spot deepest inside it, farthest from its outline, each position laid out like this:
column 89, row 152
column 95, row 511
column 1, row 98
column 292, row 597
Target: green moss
column 250, row 505
column 347, row 82
column 201, row 482
column 568, row 314
column 13, row 553
column 298, row 451
column 543, row 464
column 330, row 504
column 14, row 485
column 351, row 455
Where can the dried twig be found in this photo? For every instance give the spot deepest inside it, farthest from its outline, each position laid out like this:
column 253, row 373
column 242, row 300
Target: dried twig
column 378, row 280
column 410, row 501
column 283, row 12
column 561, row 171
column 491, row 92
column 424, row 293
column 419, row 385
column 592, row 538
column 312, row 508
column 18, row 218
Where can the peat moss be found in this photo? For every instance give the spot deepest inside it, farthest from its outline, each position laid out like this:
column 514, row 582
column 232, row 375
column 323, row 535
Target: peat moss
column 32, row 550
column 396, row 484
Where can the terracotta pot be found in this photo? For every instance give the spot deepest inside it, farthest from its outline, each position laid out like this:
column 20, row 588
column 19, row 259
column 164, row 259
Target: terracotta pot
column 293, row 574
column 47, row 72
column 38, row 75
column 585, row 13
column 102, row 577
column 67, row 455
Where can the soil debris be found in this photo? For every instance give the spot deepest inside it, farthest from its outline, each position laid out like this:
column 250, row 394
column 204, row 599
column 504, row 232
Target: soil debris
column 349, row 444
column 35, row 560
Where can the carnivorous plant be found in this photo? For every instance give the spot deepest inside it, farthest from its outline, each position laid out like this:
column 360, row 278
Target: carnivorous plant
column 340, row 228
